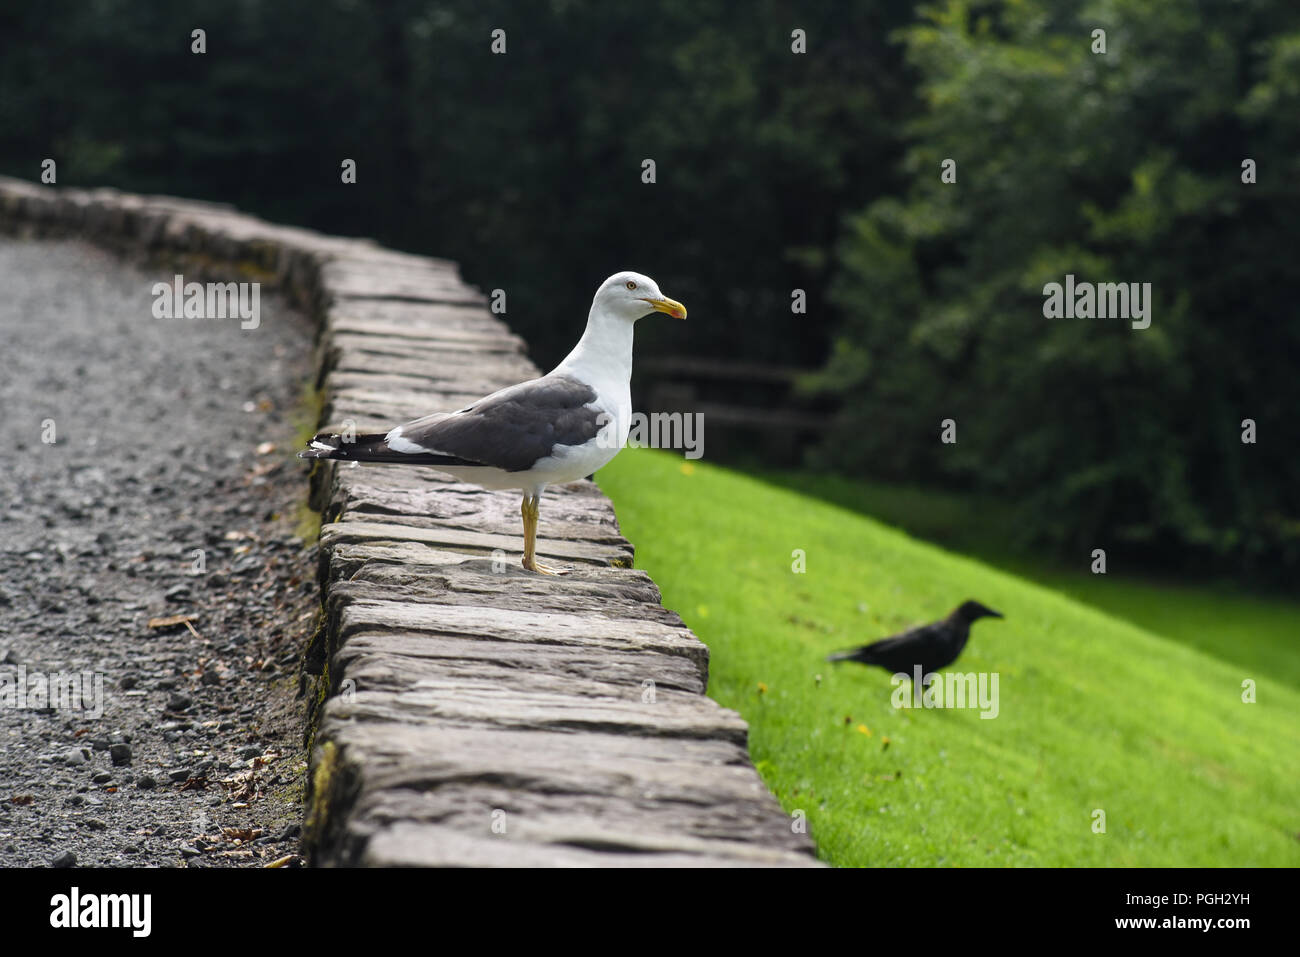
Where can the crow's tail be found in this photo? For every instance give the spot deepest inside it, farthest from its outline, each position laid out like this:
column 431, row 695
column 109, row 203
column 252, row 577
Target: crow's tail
column 853, row 654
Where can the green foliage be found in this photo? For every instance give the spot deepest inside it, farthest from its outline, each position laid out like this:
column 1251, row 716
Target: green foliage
column 1096, row 712
column 525, row 167
column 1116, row 167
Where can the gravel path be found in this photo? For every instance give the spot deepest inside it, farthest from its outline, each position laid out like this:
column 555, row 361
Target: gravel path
column 154, row 500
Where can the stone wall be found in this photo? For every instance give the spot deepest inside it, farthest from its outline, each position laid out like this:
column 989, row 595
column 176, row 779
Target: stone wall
column 465, row 712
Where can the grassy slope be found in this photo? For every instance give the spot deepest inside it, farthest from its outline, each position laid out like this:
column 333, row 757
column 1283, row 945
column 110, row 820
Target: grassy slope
column 1096, row 713
column 1257, row 633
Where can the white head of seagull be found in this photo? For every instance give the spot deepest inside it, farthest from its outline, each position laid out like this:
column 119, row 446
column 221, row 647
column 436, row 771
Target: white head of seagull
column 603, row 356
column 630, row 296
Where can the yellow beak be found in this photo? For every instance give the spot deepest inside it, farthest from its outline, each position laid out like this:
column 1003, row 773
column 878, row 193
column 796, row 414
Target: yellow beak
column 670, row 306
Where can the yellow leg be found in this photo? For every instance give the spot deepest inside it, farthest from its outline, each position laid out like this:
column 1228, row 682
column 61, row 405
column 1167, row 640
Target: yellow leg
column 529, row 510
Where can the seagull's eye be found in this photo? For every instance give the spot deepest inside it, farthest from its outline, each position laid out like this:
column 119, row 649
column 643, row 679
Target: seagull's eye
column 631, row 284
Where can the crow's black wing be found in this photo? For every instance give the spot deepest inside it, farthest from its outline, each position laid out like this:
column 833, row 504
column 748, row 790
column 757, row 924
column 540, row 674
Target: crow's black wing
column 897, row 653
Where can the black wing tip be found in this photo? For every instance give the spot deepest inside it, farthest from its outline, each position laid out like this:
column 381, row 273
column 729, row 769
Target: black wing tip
column 324, row 445
column 374, row 448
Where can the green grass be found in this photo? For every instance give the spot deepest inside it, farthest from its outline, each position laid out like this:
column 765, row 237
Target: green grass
column 1096, row 712
column 1256, row 632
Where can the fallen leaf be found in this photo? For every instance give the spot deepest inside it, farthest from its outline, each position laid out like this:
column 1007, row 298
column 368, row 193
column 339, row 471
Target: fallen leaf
column 243, row 786
column 242, row 834
column 172, row 620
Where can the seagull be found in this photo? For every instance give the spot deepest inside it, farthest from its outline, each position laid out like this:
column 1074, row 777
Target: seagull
column 559, row 428
column 931, row 646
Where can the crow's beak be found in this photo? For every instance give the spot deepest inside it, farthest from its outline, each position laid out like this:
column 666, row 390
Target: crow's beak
column 993, row 614
column 671, row 306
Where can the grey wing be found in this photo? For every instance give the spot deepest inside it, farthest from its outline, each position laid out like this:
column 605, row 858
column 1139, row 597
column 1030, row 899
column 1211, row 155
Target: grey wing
column 511, row 429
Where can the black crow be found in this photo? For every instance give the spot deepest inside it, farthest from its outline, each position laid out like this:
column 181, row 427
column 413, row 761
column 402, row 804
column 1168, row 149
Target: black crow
column 932, row 646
